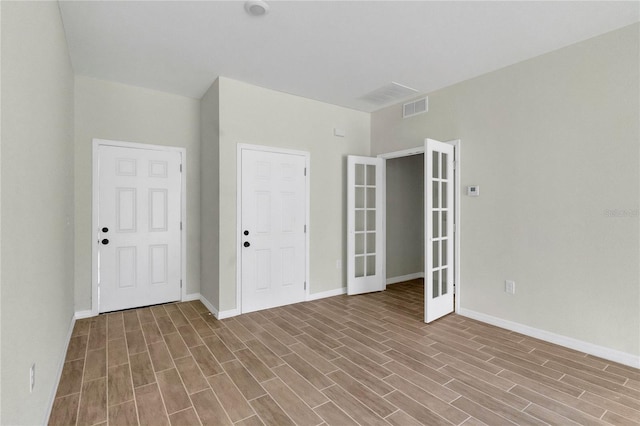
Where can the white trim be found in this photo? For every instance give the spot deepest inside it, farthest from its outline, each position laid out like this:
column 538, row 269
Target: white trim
column 328, row 293
column 457, row 153
column 209, row 305
column 84, row 314
column 307, row 156
column 402, row 278
column 402, row 153
column 228, row 314
column 95, row 308
column 61, row 361
column 558, row 339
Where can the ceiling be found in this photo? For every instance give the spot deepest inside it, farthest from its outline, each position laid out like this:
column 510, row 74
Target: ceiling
column 331, row 51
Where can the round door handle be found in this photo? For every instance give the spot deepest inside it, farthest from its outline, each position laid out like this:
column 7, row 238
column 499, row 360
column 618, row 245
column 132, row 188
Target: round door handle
column 105, row 229
column 247, row 243
column 105, row 241
column 246, row 232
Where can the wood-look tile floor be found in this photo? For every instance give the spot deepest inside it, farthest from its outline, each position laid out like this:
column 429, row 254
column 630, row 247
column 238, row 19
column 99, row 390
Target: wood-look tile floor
column 338, row 361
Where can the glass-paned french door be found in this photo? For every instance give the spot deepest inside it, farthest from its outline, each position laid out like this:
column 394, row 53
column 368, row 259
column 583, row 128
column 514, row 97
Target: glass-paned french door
column 365, row 228
column 439, row 238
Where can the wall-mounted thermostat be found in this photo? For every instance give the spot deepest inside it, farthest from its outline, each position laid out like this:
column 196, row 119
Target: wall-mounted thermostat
column 473, row 190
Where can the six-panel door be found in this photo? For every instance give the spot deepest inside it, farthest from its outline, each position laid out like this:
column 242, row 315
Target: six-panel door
column 139, row 219
column 273, row 253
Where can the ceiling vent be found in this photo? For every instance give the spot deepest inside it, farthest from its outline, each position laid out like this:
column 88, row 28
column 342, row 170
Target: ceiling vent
column 392, row 92
column 419, row 106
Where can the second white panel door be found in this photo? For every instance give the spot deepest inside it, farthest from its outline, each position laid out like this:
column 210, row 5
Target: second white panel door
column 273, row 215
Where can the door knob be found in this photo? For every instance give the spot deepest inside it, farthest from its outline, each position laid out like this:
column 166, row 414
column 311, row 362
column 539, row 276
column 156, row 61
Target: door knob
column 247, row 243
column 246, row 232
column 105, row 241
column 105, row 229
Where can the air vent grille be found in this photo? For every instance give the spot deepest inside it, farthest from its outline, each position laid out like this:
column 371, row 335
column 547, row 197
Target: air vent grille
column 419, row 106
column 392, row 92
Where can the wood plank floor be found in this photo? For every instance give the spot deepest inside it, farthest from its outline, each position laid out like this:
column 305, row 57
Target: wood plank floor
column 338, row 361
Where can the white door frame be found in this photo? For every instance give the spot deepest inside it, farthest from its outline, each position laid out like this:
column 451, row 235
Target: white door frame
column 457, row 145
column 95, row 204
column 264, row 148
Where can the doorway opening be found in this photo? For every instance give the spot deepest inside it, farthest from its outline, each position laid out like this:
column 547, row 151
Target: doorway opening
column 440, row 244
column 404, row 218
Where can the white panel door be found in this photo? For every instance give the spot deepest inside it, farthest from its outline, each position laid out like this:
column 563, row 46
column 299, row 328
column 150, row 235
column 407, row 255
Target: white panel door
column 273, row 215
column 439, row 215
column 139, row 255
column 365, row 272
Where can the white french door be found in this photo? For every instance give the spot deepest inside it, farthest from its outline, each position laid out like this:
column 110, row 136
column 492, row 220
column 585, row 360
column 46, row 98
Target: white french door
column 365, row 258
column 139, row 236
column 439, row 238
column 273, row 228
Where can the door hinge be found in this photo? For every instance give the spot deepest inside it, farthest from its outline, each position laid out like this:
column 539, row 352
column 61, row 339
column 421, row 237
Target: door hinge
column 455, row 165
column 180, row 168
column 180, row 283
column 305, row 229
column 305, row 171
column 181, row 226
column 305, row 285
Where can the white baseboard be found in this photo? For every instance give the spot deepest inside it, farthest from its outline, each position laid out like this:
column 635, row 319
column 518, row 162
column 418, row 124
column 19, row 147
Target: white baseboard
column 402, row 278
column 218, row 314
column 209, row 305
column 568, row 342
column 228, row 314
column 328, row 293
column 62, row 358
column 83, row 314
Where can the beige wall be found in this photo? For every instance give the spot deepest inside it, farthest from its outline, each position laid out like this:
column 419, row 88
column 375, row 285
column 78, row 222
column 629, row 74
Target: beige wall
column 405, row 216
column 553, row 144
column 37, row 206
column 210, row 194
column 253, row 115
column 114, row 111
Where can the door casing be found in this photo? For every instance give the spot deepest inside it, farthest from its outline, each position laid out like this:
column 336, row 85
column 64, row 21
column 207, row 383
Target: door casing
column 95, row 203
column 457, row 145
column 264, row 148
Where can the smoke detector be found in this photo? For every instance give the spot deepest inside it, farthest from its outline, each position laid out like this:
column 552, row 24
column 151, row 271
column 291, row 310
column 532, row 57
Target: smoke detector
column 256, row 7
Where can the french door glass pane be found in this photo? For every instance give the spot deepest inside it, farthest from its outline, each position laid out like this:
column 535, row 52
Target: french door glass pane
column 371, row 198
column 359, row 198
column 435, row 194
column 435, row 162
column 359, row 220
column 436, row 254
column 359, row 243
column 436, row 284
column 443, row 169
column 371, row 242
column 371, row 175
column 444, row 252
column 371, row 220
column 436, row 225
column 360, row 266
column 444, row 194
column 359, row 174
column 444, row 281
column 444, row 224
column 371, row 265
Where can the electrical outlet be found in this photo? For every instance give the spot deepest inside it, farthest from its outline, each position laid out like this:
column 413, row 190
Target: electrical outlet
column 510, row 287
column 32, row 377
